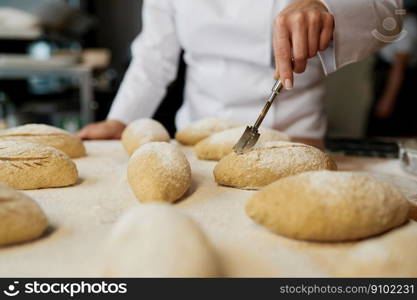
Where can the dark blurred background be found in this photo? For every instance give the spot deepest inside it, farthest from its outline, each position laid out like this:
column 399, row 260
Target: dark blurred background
column 39, row 34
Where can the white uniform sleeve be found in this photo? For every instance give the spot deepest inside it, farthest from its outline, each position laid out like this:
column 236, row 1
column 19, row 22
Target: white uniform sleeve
column 361, row 28
column 406, row 44
column 154, row 64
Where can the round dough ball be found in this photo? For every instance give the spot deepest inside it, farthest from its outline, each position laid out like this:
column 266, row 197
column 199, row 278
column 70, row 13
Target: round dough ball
column 46, row 136
column 199, row 130
column 143, row 131
column 218, row 145
column 329, row 206
column 26, row 166
column 21, row 218
column 269, row 162
column 159, row 171
column 156, row 240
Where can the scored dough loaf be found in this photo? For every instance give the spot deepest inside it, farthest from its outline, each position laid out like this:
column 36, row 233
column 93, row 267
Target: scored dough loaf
column 21, row 218
column 46, row 136
column 218, row 145
column 269, row 162
column 143, row 131
column 26, row 166
column 156, row 240
column 329, row 206
column 159, row 171
column 199, row 130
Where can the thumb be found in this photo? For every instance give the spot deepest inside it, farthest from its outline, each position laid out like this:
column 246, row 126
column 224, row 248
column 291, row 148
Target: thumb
column 276, row 76
column 83, row 133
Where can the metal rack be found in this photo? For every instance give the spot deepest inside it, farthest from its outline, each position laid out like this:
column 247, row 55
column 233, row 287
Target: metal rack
column 81, row 74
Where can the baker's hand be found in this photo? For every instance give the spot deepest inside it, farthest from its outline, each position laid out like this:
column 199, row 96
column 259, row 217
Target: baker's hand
column 105, row 130
column 301, row 30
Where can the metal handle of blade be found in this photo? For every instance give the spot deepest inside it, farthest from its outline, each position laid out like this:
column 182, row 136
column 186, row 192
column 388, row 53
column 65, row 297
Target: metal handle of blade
column 276, row 89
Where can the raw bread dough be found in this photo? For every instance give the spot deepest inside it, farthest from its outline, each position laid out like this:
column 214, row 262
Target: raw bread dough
column 218, row 145
column 329, row 206
column 269, row 162
column 413, row 207
column 156, row 240
column 46, row 136
column 21, row 218
column 159, row 171
column 143, row 131
column 199, row 130
column 27, row 166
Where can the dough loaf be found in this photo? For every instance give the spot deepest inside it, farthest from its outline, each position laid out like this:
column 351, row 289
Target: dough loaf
column 413, row 208
column 21, row 218
column 269, row 162
column 218, row 145
column 156, row 240
column 46, row 136
column 159, row 171
column 26, row 166
column 143, row 131
column 329, row 206
column 199, row 130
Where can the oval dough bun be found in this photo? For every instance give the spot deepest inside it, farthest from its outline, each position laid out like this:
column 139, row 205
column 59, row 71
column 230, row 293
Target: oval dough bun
column 413, row 208
column 141, row 132
column 269, row 162
column 26, row 166
column 156, row 240
column 329, row 206
column 199, row 130
column 46, row 136
column 220, row 144
column 159, row 171
column 21, row 218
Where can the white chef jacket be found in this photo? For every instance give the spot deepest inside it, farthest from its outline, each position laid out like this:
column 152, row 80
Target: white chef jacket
column 228, row 52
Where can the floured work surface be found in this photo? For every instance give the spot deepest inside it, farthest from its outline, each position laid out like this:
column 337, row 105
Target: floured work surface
column 81, row 217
